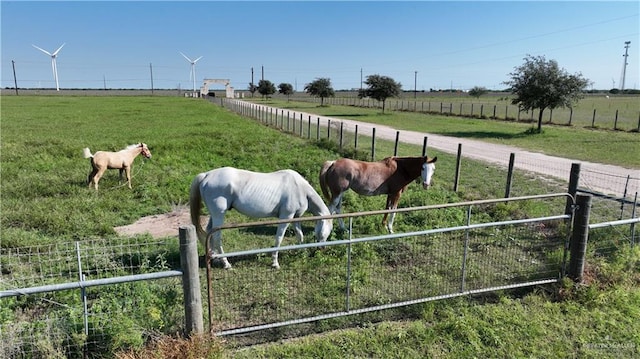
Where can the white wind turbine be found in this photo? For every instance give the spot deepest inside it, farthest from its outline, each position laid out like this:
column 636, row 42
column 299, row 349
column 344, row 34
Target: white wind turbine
column 192, row 74
column 54, row 67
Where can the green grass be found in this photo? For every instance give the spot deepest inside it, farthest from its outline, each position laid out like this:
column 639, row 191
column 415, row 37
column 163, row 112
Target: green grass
column 580, row 143
column 45, row 201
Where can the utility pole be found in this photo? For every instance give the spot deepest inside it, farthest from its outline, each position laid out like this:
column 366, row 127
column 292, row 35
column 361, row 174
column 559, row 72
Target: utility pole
column 624, row 64
column 415, row 84
column 361, row 80
column 251, row 85
column 15, row 80
column 262, row 78
column 151, row 71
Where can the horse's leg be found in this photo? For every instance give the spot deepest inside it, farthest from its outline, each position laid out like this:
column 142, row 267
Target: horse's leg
column 215, row 245
column 336, row 207
column 282, row 228
column 127, row 170
column 392, row 203
column 297, row 228
column 97, row 177
column 92, row 176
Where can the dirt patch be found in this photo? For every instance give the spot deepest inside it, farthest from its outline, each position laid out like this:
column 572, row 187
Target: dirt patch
column 160, row 225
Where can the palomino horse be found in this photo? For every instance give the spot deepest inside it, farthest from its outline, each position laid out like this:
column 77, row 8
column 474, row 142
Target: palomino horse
column 121, row 160
column 284, row 194
column 389, row 176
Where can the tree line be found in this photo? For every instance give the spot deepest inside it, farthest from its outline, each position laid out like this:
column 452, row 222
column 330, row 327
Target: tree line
column 537, row 84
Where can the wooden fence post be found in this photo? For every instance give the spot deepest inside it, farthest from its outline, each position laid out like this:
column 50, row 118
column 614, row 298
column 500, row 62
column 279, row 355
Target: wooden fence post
column 191, row 280
column 355, row 141
column 458, row 162
column 574, row 179
column 424, row 146
column 507, row 191
column 373, row 144
column 579, row 236
column 395, row 147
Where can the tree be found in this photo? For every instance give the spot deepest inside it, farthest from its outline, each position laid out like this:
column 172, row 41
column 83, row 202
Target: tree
column 252, row 88
column 285, row 89
column 321, row 87
column 541, row 84
column 478, row 91
column 380, row 88
column 266, row 88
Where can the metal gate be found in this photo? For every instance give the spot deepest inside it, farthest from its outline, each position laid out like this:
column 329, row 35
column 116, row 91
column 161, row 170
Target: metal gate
column 364, row 273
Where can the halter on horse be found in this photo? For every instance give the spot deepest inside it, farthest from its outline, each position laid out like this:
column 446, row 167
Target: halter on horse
column 389, row 176
column 284, row 194
column 121, row 160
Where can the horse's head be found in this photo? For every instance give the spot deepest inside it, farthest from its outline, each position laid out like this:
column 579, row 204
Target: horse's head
column 323, row 229
column 144, row 150
column 428, row 168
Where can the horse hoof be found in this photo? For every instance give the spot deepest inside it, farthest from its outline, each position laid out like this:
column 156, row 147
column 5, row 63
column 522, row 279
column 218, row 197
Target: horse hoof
column 275, row 266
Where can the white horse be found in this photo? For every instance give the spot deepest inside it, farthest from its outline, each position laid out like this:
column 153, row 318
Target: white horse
column 284, row 194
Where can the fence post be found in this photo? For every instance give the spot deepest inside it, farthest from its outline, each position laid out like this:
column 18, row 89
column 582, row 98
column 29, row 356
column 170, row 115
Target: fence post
column 191, row 280
column 373, row 144
column 579, row 236
column 424, row 146
column 574, row 178
column 458, row 161
column 395, row 147
column 507, row 191
column 355, row 141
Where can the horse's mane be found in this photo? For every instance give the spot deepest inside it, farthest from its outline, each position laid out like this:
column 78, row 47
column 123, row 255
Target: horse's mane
column 387, row 160
column 132, row 146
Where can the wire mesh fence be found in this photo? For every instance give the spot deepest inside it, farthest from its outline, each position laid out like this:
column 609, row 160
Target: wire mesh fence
column 85, row 322
column 364, row 273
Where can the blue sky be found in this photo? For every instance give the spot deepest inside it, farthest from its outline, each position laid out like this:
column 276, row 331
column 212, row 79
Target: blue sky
column 450, row 44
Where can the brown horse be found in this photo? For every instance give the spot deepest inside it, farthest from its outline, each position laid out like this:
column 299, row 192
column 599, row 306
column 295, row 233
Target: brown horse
column 389, row 176
column 121, row 160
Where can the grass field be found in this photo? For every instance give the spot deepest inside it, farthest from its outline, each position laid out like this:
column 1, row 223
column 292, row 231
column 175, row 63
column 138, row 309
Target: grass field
column 45, row 200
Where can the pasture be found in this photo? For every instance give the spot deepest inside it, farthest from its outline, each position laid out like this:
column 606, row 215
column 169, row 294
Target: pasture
column 595, row 111
column 578, row 142
column 45, row 200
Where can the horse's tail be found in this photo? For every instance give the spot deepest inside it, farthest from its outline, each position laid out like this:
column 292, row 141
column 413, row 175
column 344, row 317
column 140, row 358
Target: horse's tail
column 195, row 205
column 87, row 153
column 323, row 179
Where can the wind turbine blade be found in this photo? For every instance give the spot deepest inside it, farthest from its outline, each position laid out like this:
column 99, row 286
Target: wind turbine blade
column 43, row 50
column 196, row 60
column 185, row 56
column 58, row 50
